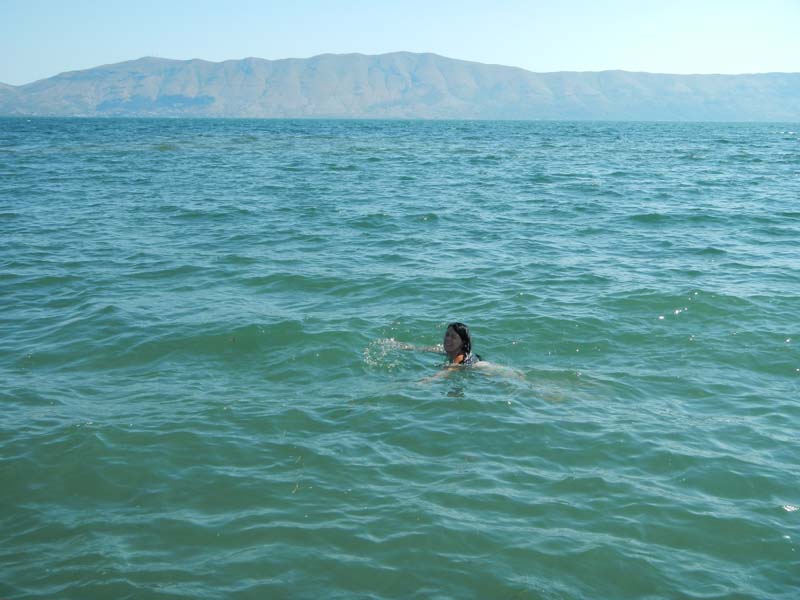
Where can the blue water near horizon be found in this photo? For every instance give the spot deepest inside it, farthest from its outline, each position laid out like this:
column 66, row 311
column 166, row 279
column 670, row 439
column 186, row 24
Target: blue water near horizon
column 204, row 395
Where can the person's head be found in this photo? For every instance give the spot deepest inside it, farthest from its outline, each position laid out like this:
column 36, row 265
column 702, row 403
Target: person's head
column 457, row 339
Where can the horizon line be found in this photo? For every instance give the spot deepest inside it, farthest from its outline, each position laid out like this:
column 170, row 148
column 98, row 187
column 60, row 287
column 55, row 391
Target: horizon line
column 344, row 54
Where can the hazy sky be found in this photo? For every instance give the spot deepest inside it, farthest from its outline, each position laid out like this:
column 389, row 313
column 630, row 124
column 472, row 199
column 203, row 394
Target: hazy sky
column 40, row 38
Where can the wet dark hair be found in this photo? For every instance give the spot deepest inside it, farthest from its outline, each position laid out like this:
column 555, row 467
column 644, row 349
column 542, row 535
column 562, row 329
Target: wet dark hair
column 463, row 332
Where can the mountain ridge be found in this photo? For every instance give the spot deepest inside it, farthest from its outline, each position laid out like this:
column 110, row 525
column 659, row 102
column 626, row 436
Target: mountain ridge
column 397, row 85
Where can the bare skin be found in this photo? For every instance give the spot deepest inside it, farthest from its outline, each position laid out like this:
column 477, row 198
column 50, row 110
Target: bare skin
column 453, row 347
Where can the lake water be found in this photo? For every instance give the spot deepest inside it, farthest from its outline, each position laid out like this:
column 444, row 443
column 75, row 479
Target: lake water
column 203, row 394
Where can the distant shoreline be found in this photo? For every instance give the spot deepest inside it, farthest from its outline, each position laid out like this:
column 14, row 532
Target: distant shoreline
column 399, row 86
column 379, row 120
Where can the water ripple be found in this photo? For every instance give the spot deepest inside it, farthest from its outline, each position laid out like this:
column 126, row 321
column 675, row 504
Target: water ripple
column 207, row 389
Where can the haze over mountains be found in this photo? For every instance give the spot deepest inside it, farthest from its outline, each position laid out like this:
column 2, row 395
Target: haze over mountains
column 398, row 85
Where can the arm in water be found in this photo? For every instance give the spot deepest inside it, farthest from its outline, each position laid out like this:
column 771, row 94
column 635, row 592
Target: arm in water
column 483, row 366
column 405, row 346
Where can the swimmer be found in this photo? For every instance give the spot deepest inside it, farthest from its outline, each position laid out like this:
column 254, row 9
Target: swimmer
column 458, row 346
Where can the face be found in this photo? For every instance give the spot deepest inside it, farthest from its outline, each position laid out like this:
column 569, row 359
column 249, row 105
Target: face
column 452, row 341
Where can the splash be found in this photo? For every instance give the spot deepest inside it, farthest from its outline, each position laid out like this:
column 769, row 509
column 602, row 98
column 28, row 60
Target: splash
column 384, row 354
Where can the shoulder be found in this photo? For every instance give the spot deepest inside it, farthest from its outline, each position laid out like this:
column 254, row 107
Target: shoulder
column 471, row 359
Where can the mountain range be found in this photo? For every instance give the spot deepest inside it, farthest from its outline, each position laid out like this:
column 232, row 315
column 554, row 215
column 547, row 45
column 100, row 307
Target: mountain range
column 398, row 85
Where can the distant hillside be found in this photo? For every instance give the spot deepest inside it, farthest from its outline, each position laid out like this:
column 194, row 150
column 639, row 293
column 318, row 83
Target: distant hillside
column 398, row 85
